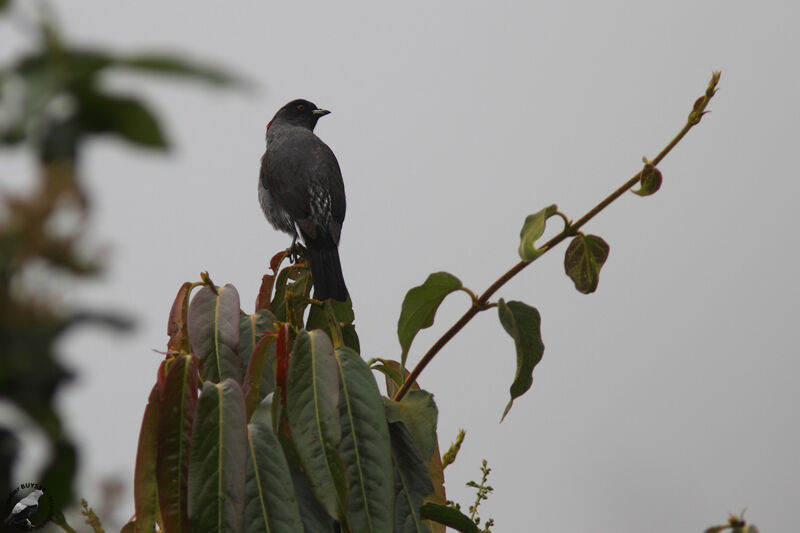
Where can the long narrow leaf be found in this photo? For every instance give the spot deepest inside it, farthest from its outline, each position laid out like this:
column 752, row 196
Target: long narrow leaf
column 271, row 503
column 315, row 518
column 312, row 404
column 365, row 446
column 145, row 490
column 411, row 481
column 214, row 333
column 177, row 407
column 219, row 458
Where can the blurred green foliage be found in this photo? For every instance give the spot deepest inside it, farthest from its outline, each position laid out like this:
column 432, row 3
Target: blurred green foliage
column 52, row 102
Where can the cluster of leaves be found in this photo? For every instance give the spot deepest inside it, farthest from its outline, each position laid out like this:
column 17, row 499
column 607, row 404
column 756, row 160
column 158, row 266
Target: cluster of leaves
column 52, row 102
column 265, row 421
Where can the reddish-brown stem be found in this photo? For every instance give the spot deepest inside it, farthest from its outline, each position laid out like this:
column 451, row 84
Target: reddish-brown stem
column 480, row 305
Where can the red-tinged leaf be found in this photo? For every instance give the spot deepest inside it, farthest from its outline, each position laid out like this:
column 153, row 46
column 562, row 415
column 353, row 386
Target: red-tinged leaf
column 649, row 181
column 277, row 259
column 214, row 333
column 252, row 380
column 268, row 281
column 436, row 471
column 176, row 327
column 252, row 329
column 145, row 490
column 177, row 407
column 583, row 260
column 282, row 351
column 265, row 292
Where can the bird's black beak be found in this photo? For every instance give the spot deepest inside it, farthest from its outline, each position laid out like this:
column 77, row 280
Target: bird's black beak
column 320, row 112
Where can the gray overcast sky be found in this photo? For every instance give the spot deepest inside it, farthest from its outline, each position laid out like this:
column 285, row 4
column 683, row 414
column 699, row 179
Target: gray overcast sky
column 664, row 401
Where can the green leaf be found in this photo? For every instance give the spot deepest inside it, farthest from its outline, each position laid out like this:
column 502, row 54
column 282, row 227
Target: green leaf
column 145, row 489
column 522, row 322
column 312, row 403
column 214, row 333
column 124, row 116
column 532, row 229
column 292, row 291
column 177, row 407
column 259, row 377
column 315, row 518
column 251, row 330
column 583, row 260
column 269, row 493
column 418, row 413
column 219, row 458
column 649, row 182
column 344, row 316
column 174, row 66
column 412, row 483
column 259, row 381
column 365, row 446
column 449, row 516
column 392, row 371
column 420, row 305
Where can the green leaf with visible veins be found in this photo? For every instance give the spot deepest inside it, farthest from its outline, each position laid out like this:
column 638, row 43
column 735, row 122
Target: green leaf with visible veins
column 532, row 229
column 522, row 322
column 649, row 182
column 271, row 504
column 418, row 413
column 583, row 260
column 145, row 490
column 365, row 446
column 312, row 403
column 177, row 409
column 420, row 305
column 219, row 459
column 214, row 333
column 412, row 482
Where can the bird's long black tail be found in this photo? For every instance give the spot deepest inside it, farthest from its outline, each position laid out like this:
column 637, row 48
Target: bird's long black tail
column 327, row 272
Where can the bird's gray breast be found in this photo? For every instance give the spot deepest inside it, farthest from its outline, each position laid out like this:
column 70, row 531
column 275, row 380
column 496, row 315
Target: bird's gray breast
column 274, row 213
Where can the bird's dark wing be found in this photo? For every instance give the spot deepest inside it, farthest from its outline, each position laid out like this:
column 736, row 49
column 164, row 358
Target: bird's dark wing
column 302, row 174
column 326, row 168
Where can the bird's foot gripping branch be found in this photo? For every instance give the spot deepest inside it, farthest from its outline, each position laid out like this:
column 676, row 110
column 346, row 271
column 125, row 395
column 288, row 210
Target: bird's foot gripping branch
column 271, row 420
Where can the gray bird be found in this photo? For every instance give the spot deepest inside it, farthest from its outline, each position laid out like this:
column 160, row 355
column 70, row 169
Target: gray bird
column 24, row 509
column 302, row 193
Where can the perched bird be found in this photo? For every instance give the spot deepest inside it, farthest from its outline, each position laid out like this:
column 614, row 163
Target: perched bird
column 302, row 193
column 24, row 509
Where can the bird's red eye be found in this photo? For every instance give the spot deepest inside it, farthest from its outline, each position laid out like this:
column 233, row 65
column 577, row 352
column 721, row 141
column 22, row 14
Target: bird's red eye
column 301, row 107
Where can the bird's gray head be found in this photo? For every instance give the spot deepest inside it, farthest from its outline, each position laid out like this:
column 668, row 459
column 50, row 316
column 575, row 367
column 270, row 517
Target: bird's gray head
column 299, row 113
